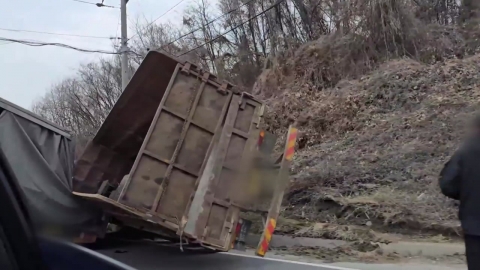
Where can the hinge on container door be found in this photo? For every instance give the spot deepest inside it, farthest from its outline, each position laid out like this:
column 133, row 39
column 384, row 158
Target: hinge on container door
column 205, row 77
column 205, row 232
column 186, row 68
column 229, row 225
column 256, row 121
column 223, row 88
column 243, row 101
column 248, row 95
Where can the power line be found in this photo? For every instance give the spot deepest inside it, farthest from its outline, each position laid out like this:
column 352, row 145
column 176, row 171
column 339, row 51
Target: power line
column 34, row 43
column 51, row 33
column 41, row 44
column 165, row 13
column 96, row 4
column 235, row 27
column 208, row 23
column 85, row 2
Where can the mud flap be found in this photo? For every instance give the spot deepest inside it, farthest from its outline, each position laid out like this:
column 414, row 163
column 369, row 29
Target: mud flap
column 240, row 236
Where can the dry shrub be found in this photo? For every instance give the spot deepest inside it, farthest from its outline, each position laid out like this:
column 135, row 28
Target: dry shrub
column 325, row 61
column 349, row 233
column 373, row 31
column 380, row 104
column 373, row 147
column 377, row 31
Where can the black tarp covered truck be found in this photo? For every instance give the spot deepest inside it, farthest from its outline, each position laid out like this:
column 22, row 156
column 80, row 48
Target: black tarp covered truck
column 41, row 156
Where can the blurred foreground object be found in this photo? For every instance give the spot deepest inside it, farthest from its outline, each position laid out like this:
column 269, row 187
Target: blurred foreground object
column 41, row 156
column 21, row 249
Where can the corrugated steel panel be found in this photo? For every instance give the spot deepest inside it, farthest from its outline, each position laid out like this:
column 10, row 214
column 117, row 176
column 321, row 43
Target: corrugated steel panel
column 111, row 153
column 179, row 139
column 164, row 176
column 214, row 210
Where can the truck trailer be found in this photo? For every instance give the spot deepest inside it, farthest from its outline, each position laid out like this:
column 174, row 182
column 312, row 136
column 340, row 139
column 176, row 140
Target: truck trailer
column 182, row 154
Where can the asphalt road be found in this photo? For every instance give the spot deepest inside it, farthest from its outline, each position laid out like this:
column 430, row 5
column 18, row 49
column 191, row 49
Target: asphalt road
column 150, row 257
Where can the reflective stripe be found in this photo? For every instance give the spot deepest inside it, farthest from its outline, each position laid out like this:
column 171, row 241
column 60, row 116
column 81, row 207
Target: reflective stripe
column 290, row 149
column 267, row 237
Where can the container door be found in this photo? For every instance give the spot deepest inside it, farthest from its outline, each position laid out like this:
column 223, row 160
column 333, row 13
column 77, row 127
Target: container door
column 165, row 174
column 217, row 202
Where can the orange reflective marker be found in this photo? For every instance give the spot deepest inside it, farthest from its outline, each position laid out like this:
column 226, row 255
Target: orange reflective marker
column 292, row 138
column 267, row 237
column 260, row 138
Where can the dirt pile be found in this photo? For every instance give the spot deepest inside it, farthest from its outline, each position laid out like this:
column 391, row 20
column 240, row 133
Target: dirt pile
column 349, row 233
column 372, row 147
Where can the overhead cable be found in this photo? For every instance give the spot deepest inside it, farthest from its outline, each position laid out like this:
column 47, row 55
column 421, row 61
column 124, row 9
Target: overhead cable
column 208, row 23
column 96, row 4
column 165, row 13
column 52, row 33
column 235, row 27
column 34, row 43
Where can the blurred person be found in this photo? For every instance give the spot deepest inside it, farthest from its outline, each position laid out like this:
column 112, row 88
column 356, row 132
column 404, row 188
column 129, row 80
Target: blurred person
column 460, row 180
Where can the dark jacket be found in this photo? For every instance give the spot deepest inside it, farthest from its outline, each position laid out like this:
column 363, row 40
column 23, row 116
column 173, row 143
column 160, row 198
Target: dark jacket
column 460, row 180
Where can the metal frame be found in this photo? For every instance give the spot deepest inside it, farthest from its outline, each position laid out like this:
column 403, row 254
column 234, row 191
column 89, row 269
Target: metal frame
column 209, row 200
column 186, row 125
column 200, row 211
column 188, row 121
column 149, row 133
column 8, row 106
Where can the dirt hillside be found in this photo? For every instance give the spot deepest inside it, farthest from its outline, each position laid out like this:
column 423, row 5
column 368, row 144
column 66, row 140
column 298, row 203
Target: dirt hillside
column 374, row 138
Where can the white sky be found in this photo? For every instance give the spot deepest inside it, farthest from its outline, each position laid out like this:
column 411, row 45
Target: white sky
column 26, row 73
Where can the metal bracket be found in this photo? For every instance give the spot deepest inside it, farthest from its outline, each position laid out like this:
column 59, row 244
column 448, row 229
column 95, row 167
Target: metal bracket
column 206, row 77
column 229, row 225
column 103, row 187
column 205, row 232
column 223, row 88
column 242, row 102
column 257, row 120
column 186, row 68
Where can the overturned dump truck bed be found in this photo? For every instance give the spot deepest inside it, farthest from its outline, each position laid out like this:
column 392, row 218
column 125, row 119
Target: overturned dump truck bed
column 177, row 156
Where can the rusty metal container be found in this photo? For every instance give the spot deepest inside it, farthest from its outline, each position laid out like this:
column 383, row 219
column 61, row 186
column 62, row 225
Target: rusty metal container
column 175, row 149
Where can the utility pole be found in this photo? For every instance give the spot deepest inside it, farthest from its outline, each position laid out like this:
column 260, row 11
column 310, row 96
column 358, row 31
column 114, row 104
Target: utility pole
column 124, row 47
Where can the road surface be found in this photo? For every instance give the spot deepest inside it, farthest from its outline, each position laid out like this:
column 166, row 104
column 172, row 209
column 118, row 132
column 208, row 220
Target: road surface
column 146, row 256
column 155, row 257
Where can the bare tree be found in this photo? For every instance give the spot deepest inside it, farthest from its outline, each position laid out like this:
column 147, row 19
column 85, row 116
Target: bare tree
column 82, row 103
column 249, row 37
